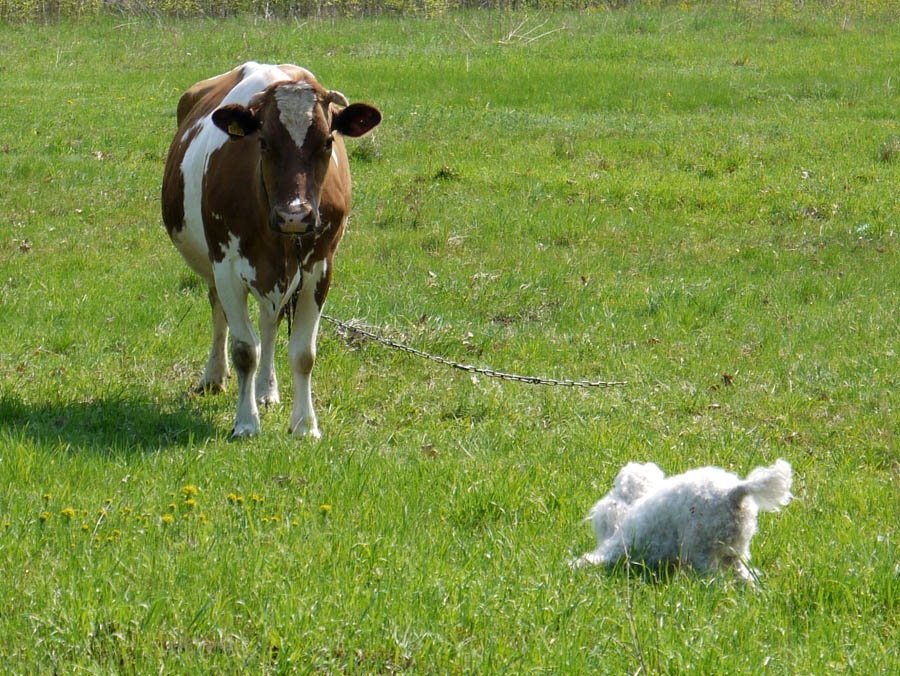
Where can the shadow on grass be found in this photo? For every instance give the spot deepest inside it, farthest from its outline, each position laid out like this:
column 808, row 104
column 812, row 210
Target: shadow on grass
column 106, row 425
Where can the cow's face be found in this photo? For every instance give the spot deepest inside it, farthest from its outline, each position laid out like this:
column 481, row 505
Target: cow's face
column 294, row 126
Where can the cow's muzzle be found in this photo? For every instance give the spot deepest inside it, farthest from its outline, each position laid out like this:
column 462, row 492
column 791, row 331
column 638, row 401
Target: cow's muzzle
column 296, row 218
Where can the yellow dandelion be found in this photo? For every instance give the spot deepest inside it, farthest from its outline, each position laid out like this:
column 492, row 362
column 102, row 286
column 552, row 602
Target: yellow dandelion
column 85, row 527
column 190, row 503
column 7, row 524
column 172, row 506
column 265, row 520
column 255, row 497
column 295, row 522
column 45, row 516
column 168, row 518
column 325, row 509
column 202, row 517
column 240, row 499
column 108, row 501
column 186, row 515
column 231, row 497
column 47, row 496
column 189, row 490
column 116, row 532
column 68, row 512
column 126, row 510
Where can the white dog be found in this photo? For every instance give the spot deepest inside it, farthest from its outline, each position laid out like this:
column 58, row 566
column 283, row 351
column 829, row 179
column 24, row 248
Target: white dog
column 704, row 518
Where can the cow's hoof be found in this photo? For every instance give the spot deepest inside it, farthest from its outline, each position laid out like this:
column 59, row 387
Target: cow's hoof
column 302, row 431
column 209, row 388
column 244, row 431
column 271, row 399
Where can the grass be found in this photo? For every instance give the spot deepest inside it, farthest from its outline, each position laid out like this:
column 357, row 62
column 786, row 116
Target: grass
column 701, row 202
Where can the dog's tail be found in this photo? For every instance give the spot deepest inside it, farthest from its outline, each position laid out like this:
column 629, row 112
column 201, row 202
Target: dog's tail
column 770, row 487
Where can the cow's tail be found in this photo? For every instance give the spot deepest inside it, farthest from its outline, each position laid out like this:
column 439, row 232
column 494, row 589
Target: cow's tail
column 287, row 311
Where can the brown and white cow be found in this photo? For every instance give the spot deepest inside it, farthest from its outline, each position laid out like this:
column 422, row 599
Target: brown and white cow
column 255, row 196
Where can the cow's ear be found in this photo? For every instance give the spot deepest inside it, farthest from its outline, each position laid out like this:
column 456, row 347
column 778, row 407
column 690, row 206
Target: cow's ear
column 235, row 120
column 356, row 119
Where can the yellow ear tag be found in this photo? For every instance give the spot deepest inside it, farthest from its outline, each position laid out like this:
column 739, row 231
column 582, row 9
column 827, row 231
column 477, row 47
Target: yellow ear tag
column 234, row 129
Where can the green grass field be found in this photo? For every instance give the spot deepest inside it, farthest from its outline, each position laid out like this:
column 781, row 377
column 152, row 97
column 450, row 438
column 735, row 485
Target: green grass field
column 700, row 202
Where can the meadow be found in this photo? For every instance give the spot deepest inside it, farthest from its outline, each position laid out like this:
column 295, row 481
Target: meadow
column 701, row 202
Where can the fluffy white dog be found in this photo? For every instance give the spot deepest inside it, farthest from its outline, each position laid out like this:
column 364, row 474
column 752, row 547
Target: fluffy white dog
column 704, row 518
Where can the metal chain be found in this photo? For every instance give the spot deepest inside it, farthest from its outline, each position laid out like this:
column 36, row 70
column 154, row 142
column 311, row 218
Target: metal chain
column 490, row 373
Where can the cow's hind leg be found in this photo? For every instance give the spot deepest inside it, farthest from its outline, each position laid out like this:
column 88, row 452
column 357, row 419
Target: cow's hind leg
column 216, row 372
column 302, row 347
column 266, row 381
column 244, row 348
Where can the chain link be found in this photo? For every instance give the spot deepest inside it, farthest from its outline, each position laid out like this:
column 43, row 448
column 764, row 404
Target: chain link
column 490, row 373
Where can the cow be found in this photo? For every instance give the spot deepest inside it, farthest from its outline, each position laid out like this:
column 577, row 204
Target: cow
column 255, row 197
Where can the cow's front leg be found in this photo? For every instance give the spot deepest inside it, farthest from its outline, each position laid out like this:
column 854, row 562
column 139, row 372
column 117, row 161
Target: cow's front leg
column 244, row 349
column 302, row 348
column 266, row 380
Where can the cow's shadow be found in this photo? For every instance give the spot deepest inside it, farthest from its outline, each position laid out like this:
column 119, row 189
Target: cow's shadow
column 110, row 425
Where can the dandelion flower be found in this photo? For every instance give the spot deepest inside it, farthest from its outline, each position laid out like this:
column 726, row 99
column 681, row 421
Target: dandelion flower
column 189, row 490
column 167, row 518
column 325, row 509
column 190, row 503
column 45, row 515
column 172, row 506
column 68, row 512
column 231, row 497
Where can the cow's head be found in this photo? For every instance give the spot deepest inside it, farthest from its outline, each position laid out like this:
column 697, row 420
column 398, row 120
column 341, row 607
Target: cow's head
column 294, row 124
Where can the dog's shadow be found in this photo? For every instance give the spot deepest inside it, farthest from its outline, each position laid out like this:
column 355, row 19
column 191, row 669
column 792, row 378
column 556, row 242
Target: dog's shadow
column 109, row 424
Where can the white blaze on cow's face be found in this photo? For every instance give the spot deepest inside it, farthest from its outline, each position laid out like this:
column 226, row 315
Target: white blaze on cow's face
column 295, row 109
